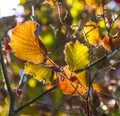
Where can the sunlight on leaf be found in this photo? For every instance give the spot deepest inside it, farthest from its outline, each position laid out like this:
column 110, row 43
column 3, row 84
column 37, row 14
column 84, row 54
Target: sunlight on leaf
column 76, row 55
column 39, row 71
column 72, row 83
column 99, row 10
column 49, row 86
column 51, row 62
column 51, row 2
column 82, row 77
column 25, row 43
column 92, row 3
column 70, row 87
column 92, row 34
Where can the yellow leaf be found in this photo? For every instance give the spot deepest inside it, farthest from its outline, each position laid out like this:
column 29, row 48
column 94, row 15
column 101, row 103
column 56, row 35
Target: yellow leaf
column 82, row 78
column 99, row 10
column 92, row 3
column 25, row 43
column 92, row 33
column 39, row 71
column 76, row 55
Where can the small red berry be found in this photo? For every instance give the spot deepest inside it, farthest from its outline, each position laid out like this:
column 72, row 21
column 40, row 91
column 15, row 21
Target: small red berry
column 18, row 91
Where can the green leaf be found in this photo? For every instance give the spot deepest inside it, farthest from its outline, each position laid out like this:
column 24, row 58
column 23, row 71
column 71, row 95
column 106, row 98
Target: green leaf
column 76, row 55
column 39, row 71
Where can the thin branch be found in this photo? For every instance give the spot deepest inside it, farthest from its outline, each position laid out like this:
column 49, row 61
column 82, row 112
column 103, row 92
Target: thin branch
column 5, row 77
column 114, row 22
column 35, row 99
column 89, row 86
column 105, row 57
column 59, row 13
column 55, row 107
column 106, row 94
column 62, row 20
column 102, row 70
column 21, row 80
column 92, row 64
column 75, row 88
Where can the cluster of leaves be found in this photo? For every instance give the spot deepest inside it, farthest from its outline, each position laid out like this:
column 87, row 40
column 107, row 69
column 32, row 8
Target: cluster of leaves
column 75, row 65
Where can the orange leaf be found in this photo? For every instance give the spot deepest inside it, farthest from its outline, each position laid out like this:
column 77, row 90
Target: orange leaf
column 111, row 43
column 81, row 77
column 72, row 83
column 50, row 85
column 51, row 62
column 51, row 2
column 25, row 43
column 70, row 87
column 92, row 3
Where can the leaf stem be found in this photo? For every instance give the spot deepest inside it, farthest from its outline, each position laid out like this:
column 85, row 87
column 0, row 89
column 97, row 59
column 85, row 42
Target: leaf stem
column 34, row 99
column 5, row 77
column 108, row 95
